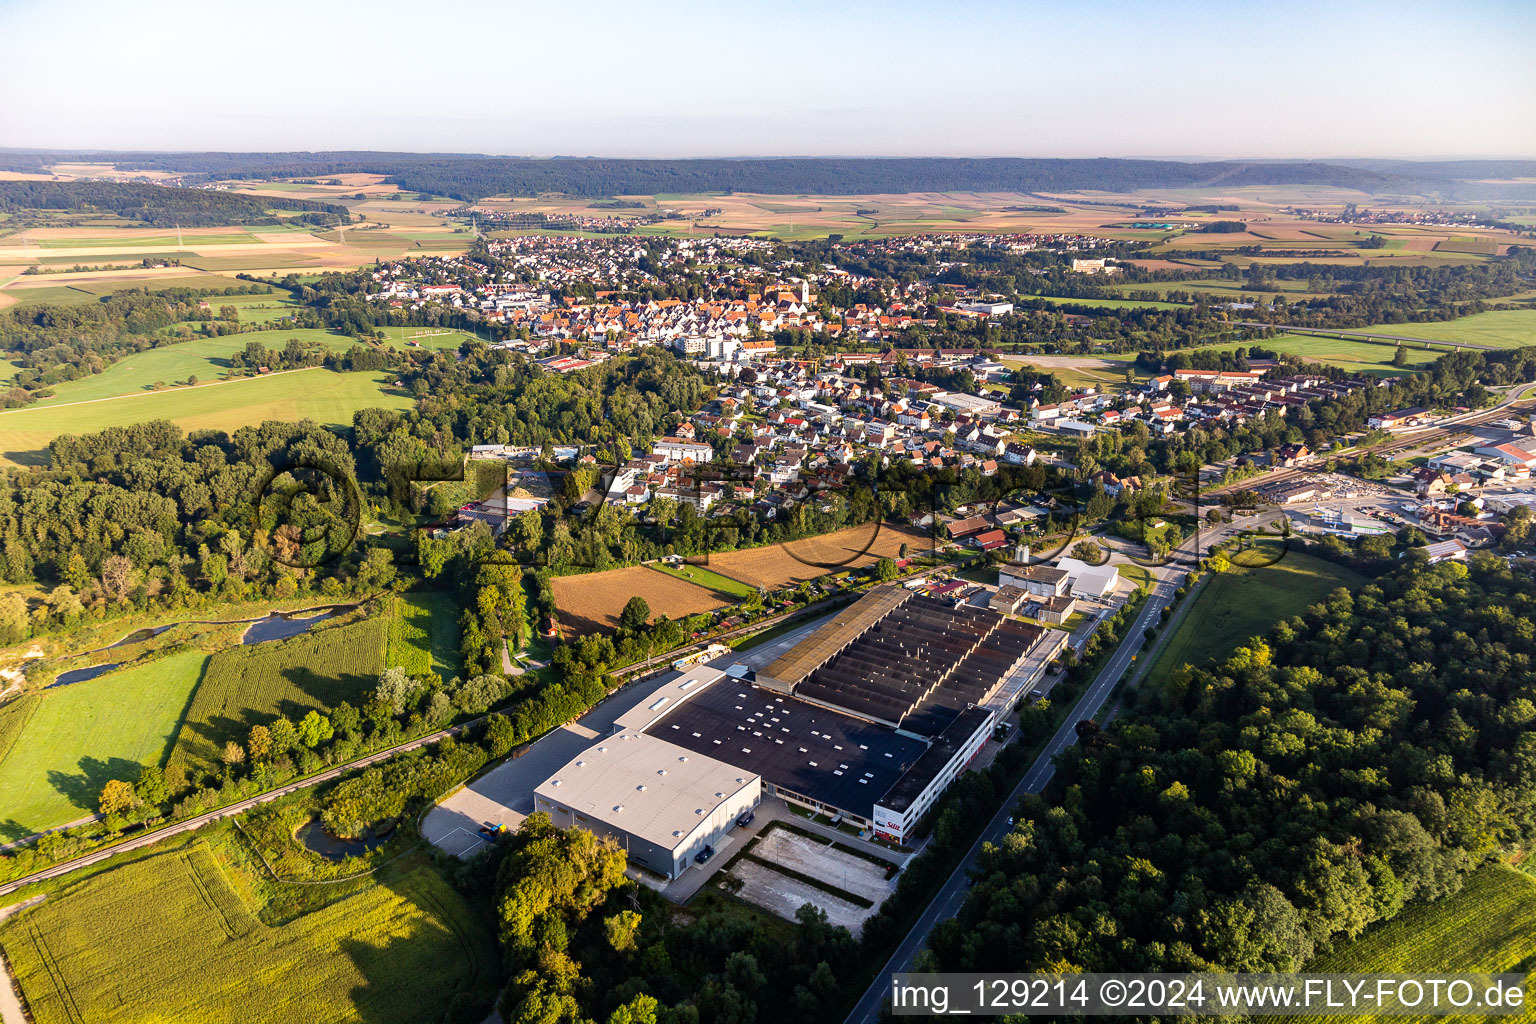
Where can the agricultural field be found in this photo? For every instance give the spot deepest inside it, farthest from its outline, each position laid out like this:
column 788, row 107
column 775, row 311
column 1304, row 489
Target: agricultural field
column 1108, row 303
column 155, row 369
column 1500, row 328
column 700, row 576
column 319, row 394
column 426, row 337
column 797, row 561
column 169, row 936
column 1242, row 603
column 73, row 739
column 424, row 633
column 592, row 602
column 1373, row 357
column 252, row 685
column 1487, row 927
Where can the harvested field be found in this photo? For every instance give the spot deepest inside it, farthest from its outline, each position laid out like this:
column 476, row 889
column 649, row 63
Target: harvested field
column 797, row 561
column 593, row 602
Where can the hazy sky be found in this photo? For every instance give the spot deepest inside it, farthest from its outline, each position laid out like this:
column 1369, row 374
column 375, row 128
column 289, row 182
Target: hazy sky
column 591, row 77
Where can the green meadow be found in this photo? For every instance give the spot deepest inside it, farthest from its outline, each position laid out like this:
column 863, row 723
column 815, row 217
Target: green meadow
column 73, row 739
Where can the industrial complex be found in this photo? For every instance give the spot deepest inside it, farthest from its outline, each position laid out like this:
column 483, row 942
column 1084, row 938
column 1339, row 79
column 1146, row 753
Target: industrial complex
column 868, row 719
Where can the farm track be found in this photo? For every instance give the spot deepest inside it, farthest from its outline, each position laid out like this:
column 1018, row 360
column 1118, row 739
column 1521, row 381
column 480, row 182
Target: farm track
column 161, row 391
column 628, row 673
column 1322, row 332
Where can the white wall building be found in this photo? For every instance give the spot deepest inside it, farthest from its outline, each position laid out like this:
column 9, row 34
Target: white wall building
column 662, row 803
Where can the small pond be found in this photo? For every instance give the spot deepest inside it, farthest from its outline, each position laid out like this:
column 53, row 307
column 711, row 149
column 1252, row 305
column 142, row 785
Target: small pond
column 80, row 675
column 276, row 626
column 317, row 840
column 280, row 626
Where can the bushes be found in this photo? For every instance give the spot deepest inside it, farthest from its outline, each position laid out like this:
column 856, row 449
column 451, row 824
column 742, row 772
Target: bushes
column 358, row 804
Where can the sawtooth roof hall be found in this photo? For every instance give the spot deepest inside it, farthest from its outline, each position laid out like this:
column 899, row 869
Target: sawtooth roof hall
column 871, row 717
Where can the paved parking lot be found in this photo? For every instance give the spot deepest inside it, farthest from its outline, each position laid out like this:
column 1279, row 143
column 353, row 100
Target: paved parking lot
column 504, row 795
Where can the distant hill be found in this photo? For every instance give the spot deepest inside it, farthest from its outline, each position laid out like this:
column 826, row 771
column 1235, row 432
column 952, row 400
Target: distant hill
column 472, row 177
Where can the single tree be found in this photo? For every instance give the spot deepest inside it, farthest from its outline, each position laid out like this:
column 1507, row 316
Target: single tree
column 635, row 615
column 117, row 797
column 315, row 729
column 259, row 743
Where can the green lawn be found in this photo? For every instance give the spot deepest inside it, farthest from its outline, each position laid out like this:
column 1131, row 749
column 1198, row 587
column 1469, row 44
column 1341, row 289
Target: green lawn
column 1359, row 356
column 708, row 578
column 424, row 633
column 172, row 937
column 322, row 395
column 205, row 358
column 1138, row 575
column 82, row 735
column 1501, row 328
column 259, row 309
column 1487, row 927
column 425, row 337
column 1235, row 606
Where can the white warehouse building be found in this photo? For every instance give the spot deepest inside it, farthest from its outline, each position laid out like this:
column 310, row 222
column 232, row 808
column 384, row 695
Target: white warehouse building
column 661, row 802
column 1089, row 582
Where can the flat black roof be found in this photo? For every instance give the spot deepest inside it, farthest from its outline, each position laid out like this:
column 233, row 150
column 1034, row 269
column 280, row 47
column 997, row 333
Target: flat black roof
column 839, row 760
column 911, row 785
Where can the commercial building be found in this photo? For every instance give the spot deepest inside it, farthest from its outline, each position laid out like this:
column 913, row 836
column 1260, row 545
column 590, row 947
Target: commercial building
column 661, row 802
column 1089, row 582
column 1035, row 580
column 1057, row 610
column 987, row 308
column 974, row 404
column 869, row 718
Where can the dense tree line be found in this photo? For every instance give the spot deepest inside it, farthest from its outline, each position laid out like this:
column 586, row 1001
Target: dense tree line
column 157, row 205
column 54, row 343
column 145, row 515
column 1249, row 814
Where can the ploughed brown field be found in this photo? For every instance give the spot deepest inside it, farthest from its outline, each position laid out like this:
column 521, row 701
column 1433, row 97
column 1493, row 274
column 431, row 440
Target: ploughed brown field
column 796, row 561
column 594, row 601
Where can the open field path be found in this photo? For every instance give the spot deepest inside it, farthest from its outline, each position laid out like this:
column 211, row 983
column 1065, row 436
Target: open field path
column 1322, row 332
column 10, row 1000
column 161, row 391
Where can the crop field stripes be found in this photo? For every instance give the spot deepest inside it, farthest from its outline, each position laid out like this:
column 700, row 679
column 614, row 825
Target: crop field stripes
column 451, row 921
column 61, row 990
column 205, row 892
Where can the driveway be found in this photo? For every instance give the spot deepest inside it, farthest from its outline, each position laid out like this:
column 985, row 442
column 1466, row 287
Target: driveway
column 504, row 795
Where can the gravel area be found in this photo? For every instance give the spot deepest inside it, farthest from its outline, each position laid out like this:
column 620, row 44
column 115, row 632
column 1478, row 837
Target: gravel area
column 782, row 895
column 820, row 860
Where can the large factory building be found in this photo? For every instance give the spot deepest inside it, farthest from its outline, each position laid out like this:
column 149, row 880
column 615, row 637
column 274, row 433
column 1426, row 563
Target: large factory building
column 870, row 718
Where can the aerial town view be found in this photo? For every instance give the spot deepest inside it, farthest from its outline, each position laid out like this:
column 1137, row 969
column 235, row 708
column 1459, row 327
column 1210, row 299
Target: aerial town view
column 798, row 515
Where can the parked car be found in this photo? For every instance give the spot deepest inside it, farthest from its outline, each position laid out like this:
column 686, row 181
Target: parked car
column 704, row 855
column 746, row 819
